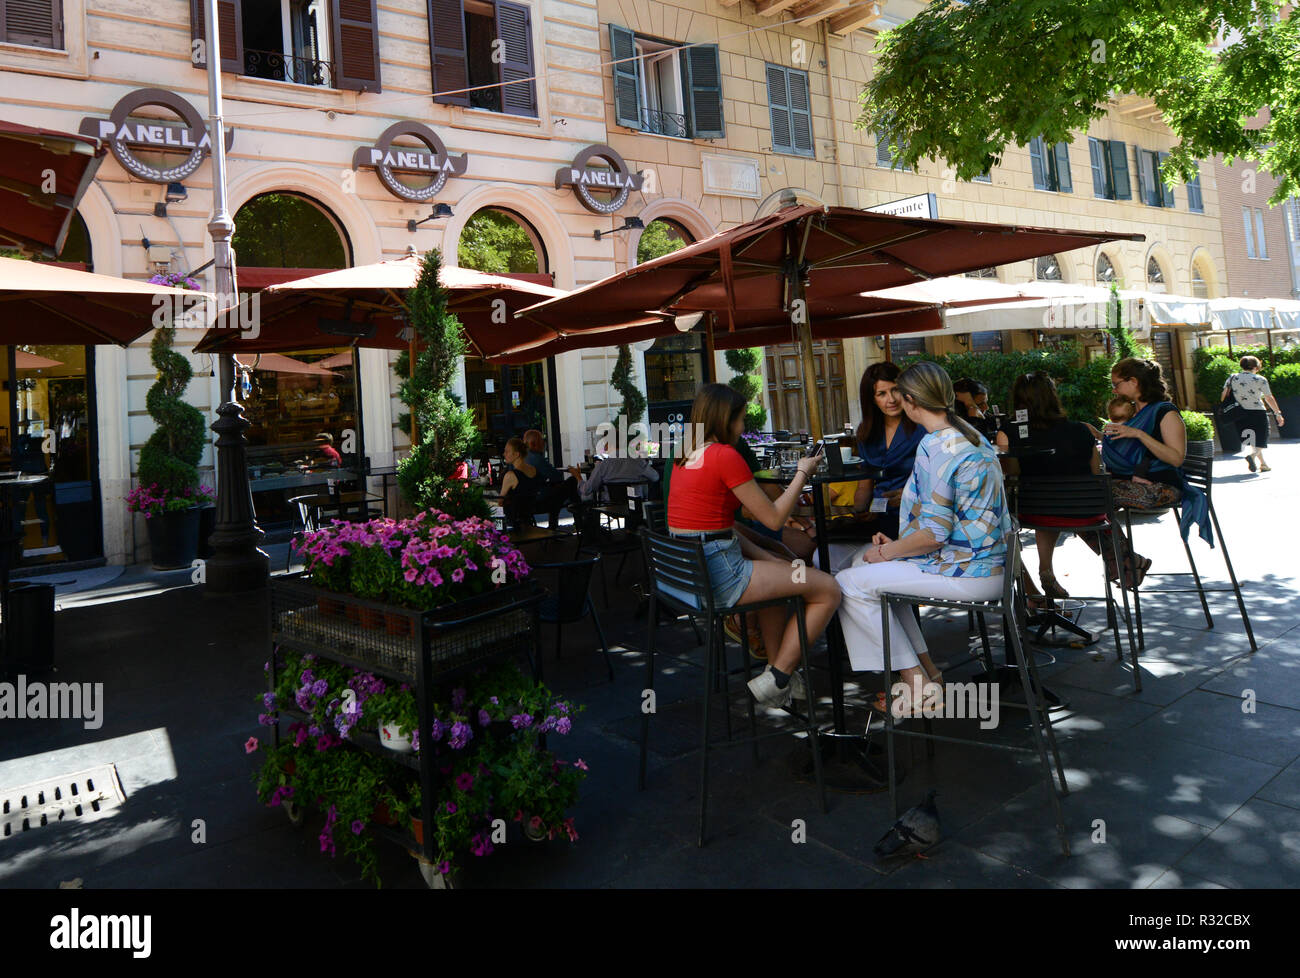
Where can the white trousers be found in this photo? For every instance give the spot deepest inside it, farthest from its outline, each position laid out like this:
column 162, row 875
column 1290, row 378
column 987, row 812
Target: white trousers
column 862, row 585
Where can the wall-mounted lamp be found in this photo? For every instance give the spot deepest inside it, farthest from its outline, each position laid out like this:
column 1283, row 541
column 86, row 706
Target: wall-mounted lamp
column 1040, row 336
column 175, row 194
column 963, row 339
column 880, row 342
column 687, row 322
column 630, row 224
column 439, row 210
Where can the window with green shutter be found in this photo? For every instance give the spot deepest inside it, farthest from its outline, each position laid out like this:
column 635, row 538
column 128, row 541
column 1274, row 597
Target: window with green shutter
column 1117, row 154
column 885, row 155
column 626, row 66
column 665, row 88
column 702, row 79
column 36, row 23
column 1050, row 166
column 790, row 109
column 1101, row 186
column 1152, row 190
column 1195, row 202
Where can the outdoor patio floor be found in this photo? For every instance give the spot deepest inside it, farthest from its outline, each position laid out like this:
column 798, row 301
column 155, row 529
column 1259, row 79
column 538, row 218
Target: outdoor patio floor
column 1189, row 788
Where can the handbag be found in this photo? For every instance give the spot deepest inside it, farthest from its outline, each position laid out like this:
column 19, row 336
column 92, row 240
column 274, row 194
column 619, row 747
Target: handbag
column 1230, row 408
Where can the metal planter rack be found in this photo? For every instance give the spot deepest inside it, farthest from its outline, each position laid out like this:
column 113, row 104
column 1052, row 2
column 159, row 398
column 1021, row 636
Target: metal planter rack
column 438, row 647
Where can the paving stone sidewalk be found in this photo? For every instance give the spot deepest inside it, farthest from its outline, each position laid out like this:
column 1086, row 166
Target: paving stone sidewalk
column 1176, row 786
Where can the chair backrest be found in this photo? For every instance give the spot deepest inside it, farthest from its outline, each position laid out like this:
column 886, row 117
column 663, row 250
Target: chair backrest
column 656, row 517
column 574, row 579
column 678, row 571
column 617, row 493
column 1011, row 569
column 1064, row 495
column 304, row 507
column 1199, row 471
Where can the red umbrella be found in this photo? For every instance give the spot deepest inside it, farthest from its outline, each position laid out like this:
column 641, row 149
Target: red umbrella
column 32, row 214
column 280, row 364
column 801, row 274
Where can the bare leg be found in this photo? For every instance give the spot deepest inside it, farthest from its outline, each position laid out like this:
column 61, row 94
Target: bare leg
column 773, row 579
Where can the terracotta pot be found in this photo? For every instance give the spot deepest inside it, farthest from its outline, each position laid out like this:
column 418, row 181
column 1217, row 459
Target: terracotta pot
column 372, row 618
column 352, row 611
column 383, row 816
column 397, row 624
column 417, row 829
column 329, row 607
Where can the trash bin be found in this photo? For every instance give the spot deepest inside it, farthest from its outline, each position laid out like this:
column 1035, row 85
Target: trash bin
column 29, row 633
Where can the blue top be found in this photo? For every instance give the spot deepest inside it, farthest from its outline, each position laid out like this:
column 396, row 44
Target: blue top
column 545, row 470
column 956, row 493
column 896, row 460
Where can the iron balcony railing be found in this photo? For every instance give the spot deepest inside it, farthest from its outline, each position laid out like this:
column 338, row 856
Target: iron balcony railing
column 663, row 123
column 276, row 66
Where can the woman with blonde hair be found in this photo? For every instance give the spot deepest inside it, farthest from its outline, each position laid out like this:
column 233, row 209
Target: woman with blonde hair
column 706, row 489
column 952, row 542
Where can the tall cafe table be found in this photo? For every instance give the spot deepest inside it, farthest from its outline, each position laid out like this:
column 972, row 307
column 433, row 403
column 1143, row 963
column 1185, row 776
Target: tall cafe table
column 837, row 651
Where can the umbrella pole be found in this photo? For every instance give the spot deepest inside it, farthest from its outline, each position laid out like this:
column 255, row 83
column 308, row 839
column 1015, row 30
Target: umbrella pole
column 809, row 367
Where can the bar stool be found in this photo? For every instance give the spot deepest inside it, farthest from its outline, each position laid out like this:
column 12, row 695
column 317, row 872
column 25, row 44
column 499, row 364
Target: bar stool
column 1040, row 722
column 1040, row 499
column 679, row 577
column 1198, row 468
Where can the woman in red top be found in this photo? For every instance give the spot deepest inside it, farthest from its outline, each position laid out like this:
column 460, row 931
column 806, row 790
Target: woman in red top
column 707, row 488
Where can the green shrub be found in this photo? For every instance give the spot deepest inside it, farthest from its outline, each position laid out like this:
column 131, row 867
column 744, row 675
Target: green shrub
column 621, row 380
column 1286, row 380
column 170, row 458
column 1211, row 378
column 1199, row 426
column 748, row 383
column 1084, row 389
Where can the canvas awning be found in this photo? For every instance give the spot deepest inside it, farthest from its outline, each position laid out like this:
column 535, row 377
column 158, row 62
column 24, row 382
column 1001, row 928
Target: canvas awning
column 43, row 175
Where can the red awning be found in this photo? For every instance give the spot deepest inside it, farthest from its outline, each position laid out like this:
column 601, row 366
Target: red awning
column 43, row 174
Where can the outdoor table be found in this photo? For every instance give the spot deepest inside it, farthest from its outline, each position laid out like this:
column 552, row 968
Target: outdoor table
column 834, row 636
column 385, row 472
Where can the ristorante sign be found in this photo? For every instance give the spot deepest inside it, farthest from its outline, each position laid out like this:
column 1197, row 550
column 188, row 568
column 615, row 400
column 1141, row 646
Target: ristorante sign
column 123, row 134
column 584, row 178
column 388, row 160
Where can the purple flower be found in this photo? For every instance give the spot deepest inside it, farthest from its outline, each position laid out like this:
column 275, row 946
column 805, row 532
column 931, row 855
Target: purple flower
column 266, row 719
column 438, row 729
column 483, row 718
column 444, row 867
column 494, row 701
column 319, row 688
column 521, row 720
column 357, row 826
column 268, row 700
column 464, row 781
column 563, row 725
column 461, row 734
column 451, row 808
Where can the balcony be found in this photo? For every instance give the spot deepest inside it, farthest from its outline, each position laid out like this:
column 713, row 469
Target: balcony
column 663, row 123
column 277, row 66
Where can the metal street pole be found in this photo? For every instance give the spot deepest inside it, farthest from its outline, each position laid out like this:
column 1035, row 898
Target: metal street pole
column 237, row 564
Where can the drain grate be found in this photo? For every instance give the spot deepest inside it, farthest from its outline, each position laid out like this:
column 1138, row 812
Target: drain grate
column 83, row 796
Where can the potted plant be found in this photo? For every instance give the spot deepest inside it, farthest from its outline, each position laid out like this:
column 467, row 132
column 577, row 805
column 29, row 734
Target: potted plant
column 1285, row 383
column 169, row 459
column 1199, row 429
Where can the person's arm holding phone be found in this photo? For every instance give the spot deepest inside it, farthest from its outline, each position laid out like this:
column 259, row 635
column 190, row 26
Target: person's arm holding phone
column 773, row 514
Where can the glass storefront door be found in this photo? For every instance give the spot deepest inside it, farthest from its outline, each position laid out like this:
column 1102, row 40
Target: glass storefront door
column 506, row 401
column 47, row 428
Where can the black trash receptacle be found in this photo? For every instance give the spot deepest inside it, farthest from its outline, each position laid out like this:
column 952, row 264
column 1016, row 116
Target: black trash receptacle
column 29, row 632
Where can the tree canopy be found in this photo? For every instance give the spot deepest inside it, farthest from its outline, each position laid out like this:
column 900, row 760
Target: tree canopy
column 494, row 242
column 658, row 239
column 961, row 81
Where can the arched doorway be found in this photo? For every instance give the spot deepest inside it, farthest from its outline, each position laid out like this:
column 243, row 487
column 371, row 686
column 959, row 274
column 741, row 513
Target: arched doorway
column 507, row 400
column 293, row 398
column 675, row 367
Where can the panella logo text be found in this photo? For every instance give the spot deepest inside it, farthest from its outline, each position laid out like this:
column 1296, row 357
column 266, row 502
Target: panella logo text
column 583, row 178
column 122, row 134
column 388, row 160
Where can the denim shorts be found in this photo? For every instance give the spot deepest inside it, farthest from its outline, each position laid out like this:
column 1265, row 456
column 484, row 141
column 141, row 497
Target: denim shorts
column 729, row 571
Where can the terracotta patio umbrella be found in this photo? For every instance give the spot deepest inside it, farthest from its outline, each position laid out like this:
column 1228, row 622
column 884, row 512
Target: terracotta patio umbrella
column 366, row 306
column 800, row 274
column 30, row 361
column 45, row 303
column 31, row 215
column 279, row 364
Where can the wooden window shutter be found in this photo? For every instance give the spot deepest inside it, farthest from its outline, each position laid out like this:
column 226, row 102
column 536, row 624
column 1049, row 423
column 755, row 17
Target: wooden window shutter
column 1064, row 182
column 1166, row 190
column 230, row 19
column 703, row 82
column 800, row 112
column 627, row 90
column 778, row 103
column 514, row 29
column 1118, row 153
column 1097, row 161
column 356, row 45
column 1038, row 163
column 1195, row 202
column 1137, row 175
column 37, row 23
column 447, row 43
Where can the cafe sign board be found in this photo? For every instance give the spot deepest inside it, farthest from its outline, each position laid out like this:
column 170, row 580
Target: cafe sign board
column 387, row 160
column 584, row 178
column 124, row 136
column 922, row 205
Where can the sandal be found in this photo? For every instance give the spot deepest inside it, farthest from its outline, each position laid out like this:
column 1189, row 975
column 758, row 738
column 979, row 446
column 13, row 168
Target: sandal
column 907, row 711
column 1265, row 468
column 1051, row 586
column 1142, row 569
column 732, row 628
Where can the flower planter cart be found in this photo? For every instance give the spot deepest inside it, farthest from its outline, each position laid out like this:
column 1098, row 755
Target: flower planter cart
column 427, row 650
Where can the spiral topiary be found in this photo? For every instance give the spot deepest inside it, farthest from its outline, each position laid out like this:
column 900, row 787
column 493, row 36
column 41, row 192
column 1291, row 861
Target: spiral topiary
column 170, row 458
column 748, row 383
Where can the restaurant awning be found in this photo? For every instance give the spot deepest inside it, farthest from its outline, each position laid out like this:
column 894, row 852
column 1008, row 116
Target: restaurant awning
column 45, row 303
column 366, row 306
column 34, row 213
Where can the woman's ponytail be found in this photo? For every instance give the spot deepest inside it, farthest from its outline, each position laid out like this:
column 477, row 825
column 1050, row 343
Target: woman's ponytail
column 962, row 425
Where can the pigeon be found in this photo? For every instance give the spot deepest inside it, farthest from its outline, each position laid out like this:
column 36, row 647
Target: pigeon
column 916, row 830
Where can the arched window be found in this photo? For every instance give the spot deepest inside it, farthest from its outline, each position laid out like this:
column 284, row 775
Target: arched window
column 662, row 236
column 1199, row 288
column 1048, row 269
column 1105, row 270
column 1155, row 275
column 287, row 230
column 500, row 242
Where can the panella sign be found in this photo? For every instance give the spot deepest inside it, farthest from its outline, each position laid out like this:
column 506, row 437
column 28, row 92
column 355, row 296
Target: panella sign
column 387, row 159
column 153, row 134
column 584, row 178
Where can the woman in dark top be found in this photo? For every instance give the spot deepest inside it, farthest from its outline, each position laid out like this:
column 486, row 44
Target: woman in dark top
column 887, row 439
column 1073, row 452
column 520, row 485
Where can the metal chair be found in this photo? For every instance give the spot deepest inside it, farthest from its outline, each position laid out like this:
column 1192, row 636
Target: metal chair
column 1040, row 722
column 571, row 602
column 304, row 511
column 1198, row 467
column 596, row 538
column 1079, row 496
column 656, row 517
column 678, row 565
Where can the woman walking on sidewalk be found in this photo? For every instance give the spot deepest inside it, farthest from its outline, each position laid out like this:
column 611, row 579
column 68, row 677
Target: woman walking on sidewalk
column 1250, row 389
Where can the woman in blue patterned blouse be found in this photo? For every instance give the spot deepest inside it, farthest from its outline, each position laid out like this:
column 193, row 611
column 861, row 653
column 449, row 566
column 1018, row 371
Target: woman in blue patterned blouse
column 954, row 522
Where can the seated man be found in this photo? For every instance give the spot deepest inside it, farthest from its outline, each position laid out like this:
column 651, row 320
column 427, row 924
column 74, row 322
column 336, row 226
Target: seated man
column 974, row 400
column 613, row 470
column 554, row 491
column 325, row 445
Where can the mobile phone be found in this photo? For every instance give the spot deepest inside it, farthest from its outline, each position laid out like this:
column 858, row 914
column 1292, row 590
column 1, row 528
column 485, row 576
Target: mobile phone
column 815, row 449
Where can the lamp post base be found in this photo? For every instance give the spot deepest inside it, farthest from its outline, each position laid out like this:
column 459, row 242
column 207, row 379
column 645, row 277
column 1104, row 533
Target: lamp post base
column 237, row 564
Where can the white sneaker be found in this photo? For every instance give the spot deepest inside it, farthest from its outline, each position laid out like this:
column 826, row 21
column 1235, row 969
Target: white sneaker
column 797, row 688
column 764, row 689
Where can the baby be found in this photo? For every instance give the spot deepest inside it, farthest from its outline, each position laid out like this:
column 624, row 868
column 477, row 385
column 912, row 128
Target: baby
column 1121, row 411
